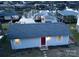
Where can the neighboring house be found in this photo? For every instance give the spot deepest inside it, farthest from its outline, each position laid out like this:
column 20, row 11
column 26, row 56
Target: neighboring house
column 25, row 20
column 23, row 36
column 7, row 16
column 67, row 16
column 39, row 17
column 46, row 16
column 19, row 7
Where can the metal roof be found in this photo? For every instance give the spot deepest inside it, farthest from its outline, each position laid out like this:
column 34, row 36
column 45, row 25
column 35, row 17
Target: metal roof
column 47, row 14
column 67, row 13
column 5, row 13
column 37, row 30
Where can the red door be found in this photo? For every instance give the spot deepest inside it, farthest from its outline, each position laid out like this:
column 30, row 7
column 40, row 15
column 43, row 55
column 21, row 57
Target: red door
column 43, row 41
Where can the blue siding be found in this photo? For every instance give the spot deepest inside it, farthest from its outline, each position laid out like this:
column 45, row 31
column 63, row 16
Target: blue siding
column 54, row 41
column 36, row 42
column 25, row 43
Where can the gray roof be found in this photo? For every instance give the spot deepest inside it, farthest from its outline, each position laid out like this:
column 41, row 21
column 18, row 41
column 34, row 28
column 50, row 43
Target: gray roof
column 37, row 30
column 68, row 13
column 47, row 15
column 5, row 13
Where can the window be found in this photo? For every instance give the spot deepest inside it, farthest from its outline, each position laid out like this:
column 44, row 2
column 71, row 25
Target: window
column 59, row 37
column 48, row 38
column 17, row 41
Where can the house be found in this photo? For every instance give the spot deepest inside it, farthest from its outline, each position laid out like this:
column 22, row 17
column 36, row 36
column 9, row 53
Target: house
column 42, row 16
column 45, row 16
column 25, row 20
column 42, row 6
column 23, row 36
column 7, row 16
column 67, row 16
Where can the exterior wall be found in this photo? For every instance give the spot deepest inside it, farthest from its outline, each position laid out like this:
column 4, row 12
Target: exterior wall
column 36, row 42
column 77, row 28
column 54, row 41
column 25, row 43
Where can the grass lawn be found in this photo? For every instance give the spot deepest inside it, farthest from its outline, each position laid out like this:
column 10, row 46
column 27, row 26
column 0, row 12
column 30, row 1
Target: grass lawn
column 4, row 26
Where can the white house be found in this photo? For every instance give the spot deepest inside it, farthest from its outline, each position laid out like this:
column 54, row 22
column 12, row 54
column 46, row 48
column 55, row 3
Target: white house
column 25, row 20
column 23, row 36
column 47, row 16
column 41, row 16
